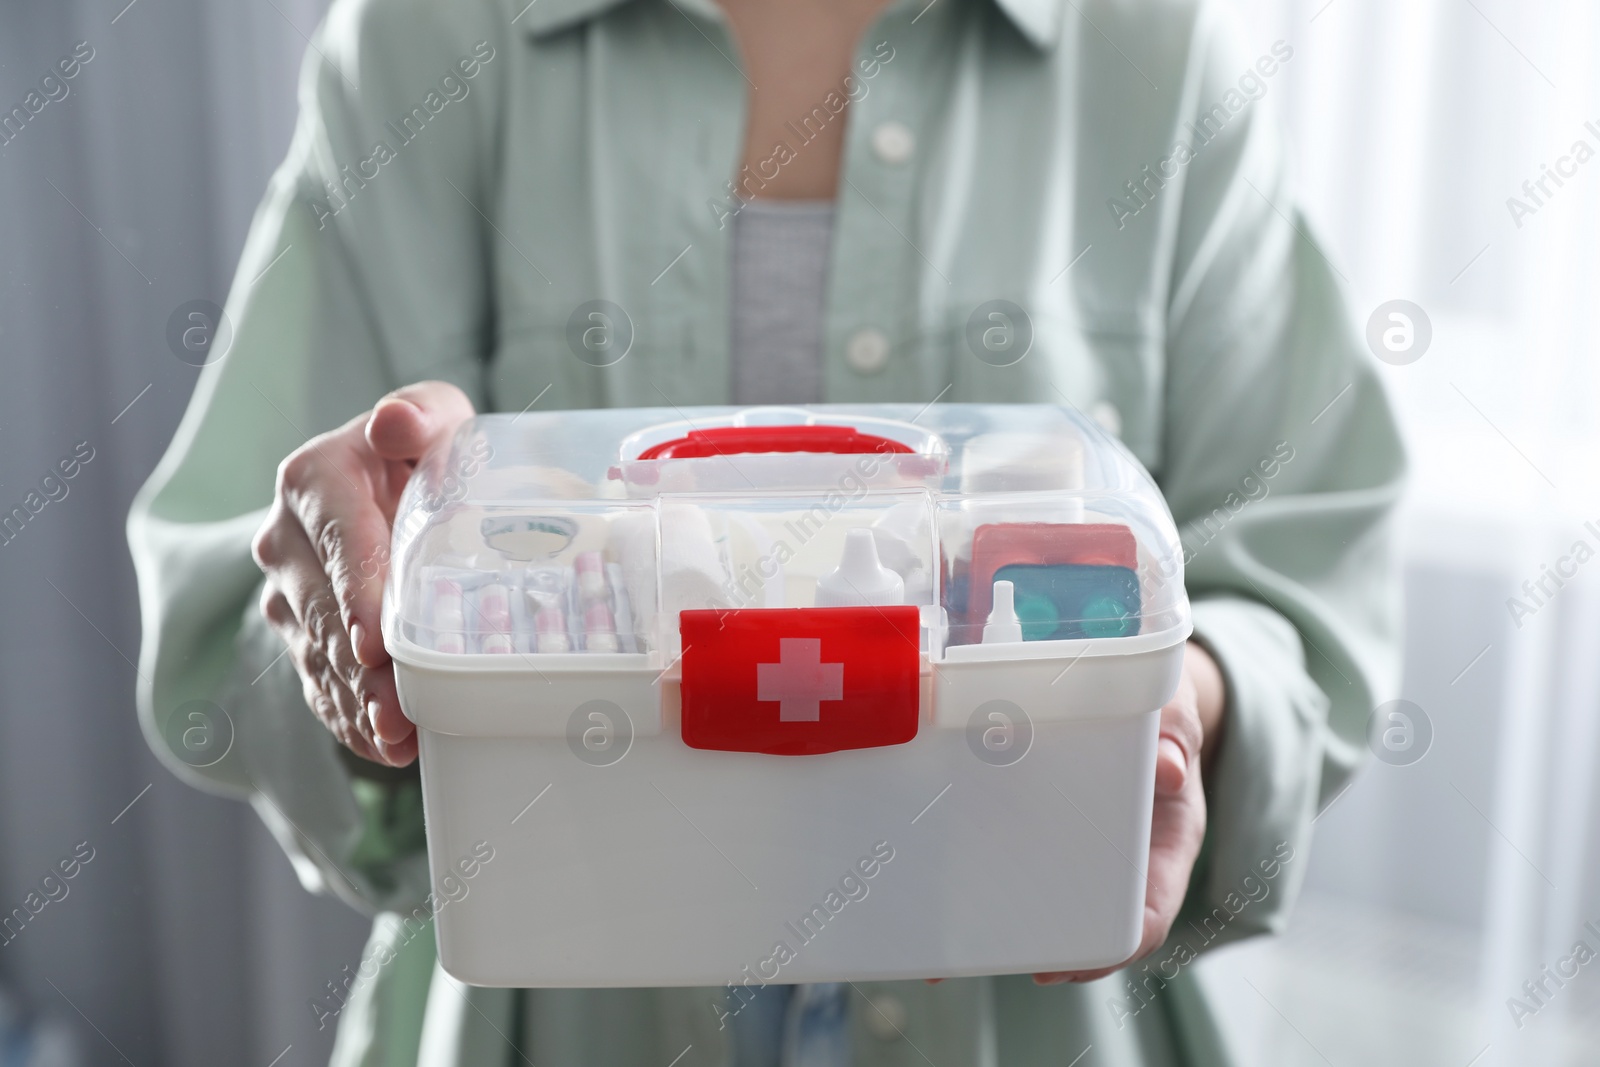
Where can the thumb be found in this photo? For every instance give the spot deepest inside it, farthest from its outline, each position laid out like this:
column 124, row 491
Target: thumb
column 414, row 418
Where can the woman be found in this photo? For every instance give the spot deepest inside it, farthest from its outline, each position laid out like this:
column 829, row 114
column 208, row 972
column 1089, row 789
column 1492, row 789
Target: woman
column 766, row 202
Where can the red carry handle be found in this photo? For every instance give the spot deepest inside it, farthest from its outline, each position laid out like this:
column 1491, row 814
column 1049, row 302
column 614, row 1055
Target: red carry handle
column 732, row 440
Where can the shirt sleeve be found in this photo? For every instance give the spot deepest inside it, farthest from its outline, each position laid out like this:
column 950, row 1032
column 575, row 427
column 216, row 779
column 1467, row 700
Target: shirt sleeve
column 1281, row 463
column 364, row 268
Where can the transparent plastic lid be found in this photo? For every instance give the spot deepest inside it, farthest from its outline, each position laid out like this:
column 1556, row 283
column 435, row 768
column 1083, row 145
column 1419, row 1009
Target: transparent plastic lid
column 581, row 533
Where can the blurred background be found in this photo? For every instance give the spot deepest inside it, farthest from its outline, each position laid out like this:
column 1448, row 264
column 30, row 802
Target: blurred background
column 1452, row 872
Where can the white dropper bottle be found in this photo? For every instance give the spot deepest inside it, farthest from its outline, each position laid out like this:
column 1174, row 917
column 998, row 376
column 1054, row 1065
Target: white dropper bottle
column 1003, row 626
column 860, row 579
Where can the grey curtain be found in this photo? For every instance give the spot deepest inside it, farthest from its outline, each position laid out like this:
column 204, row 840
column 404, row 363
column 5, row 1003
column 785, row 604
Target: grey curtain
column 126, row 191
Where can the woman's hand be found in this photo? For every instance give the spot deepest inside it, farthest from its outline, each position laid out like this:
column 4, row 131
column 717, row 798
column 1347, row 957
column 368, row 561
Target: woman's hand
column 1190, row 724
column 325, row 551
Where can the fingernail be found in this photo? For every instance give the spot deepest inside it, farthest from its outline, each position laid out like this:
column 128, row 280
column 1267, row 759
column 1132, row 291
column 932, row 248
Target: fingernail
column 383, row 750
column 358, row 638
column 372, row 708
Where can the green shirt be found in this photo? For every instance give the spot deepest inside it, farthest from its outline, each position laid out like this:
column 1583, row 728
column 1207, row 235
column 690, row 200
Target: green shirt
column 467, row 173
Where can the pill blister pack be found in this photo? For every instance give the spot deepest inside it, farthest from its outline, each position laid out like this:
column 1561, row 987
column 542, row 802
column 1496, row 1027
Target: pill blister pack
column 532, row 610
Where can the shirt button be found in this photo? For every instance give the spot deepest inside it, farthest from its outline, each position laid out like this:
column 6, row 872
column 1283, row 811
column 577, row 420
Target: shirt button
column 867, row 351
column 1109, row 418
column 893, row 142
column 887, row 1017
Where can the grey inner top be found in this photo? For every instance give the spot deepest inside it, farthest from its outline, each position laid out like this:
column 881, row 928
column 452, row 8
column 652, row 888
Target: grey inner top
column 779, row 289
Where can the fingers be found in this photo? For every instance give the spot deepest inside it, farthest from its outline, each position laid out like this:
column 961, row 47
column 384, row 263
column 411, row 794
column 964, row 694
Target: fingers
column 1181, row 738
column 1172, row 766
column 1179, row 814
column 1175, row 836
column 359, row 706
column 298, row 576
column 1211, row 697
column 350, row 524
column 389, row 724
column 1060, row 977
column 330, row 485
column 414, row 418
column 325, row 551
column 328, row 698
column 1177, row 829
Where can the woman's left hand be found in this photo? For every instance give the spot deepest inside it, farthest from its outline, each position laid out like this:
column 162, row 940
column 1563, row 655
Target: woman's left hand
column 1190, row 724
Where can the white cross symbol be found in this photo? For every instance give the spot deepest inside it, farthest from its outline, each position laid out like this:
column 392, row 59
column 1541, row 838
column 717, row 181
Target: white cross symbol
column 799, row 681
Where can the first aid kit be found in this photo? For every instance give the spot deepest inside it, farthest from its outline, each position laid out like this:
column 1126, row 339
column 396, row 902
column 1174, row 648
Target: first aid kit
column 720, row 696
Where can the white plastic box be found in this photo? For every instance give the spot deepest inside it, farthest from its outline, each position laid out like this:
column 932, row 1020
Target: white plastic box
column 712, row 688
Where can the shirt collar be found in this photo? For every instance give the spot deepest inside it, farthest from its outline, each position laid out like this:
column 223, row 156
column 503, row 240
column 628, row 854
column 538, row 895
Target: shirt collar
column 1037, row 20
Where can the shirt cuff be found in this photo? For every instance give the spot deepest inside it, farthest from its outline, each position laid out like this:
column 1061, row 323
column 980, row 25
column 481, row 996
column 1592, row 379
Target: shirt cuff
column 357, row 835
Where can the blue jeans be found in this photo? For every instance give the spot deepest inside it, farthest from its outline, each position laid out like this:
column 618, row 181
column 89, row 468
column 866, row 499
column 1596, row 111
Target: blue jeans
column 793, row 1026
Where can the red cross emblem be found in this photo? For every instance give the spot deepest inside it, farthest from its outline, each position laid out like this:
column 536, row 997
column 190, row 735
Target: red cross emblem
column 799, row 681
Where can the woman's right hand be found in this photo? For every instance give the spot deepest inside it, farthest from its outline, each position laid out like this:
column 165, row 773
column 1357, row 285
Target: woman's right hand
column 325, row 551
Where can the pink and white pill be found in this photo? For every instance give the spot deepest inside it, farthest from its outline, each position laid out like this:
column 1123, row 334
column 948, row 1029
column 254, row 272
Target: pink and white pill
column 449, row 617
column 550, row 627
column 494, row 618
column 599, row 629
column 591, row 572
column 494, row 608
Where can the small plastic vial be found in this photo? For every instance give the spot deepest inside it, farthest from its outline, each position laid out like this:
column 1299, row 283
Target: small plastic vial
column 860, row 579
